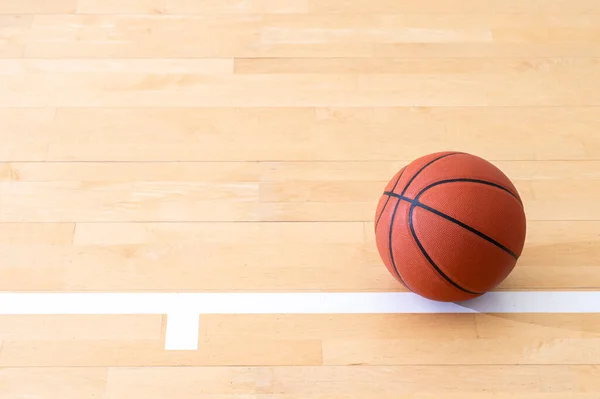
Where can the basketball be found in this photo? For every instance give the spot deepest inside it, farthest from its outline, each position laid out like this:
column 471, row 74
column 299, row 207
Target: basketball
column 450, row 226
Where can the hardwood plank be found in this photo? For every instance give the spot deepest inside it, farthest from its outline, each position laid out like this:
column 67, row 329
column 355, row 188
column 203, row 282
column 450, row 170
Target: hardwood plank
column 336, row 6
column 255, row 257
column 246, row 382
column 76, row 68
column 443, row 339
column 231, row 351
column 37, row 6
column 464, row 7
column 312, row 35
column 400, row 326
column 53, row 383
column 550, row 243
column 191, row 7
column 406, row 326
column 138, row 201
column 86, row 84
column 424, row 382
column 298, row 134
column 562, row 6
column 227, row 350
column 337, row 194
column 118, row 172
column 80, row 327
column 506, row 350
column 548, row 259
column 13, row 29
column 133, row 257
column 25, row 135
column 428, row 379
column 537, row 326
column 331, row 199
column 37, row 234
column 373, row 171
column 416, row 66
column 182, row 382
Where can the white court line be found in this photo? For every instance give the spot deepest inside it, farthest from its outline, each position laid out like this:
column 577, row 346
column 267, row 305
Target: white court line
column 182, row 331
column 183, row 309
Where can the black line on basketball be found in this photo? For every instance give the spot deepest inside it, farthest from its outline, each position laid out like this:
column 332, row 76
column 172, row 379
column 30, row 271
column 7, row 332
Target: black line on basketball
column 396, row 209
column 487, row 183
column 451, row 219
column 467, row 227
column 403, row 198
column 424, row 252
column 390, row 244
column 423, row 168
column 388, row 198
column 458, row 222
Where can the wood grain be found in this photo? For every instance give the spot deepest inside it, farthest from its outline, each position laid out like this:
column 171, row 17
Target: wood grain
column 311, row 35
column 364, row 382
column 300, row 339
column 87, row 83
column 454, row 6
column 242, row 145
column 298, row 134
column 386, row 326
column 416, row 66
column 53, row 383
column 80, row 327
column 13, row 28
column 192, row 7
column 332, row 6
column 404, row 382
column 297, row 256
column 139, row 352
column 328, row 191
column 421, row 351
column 204, row 382
column 37, row 6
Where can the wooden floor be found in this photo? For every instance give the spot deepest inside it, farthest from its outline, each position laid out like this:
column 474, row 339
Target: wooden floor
column 242, row 145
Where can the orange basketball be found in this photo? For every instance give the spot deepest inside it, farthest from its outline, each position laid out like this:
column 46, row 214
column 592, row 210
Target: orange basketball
column 450, row 226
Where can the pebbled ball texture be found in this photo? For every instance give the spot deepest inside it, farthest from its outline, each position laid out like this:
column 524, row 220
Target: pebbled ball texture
column 450, row 226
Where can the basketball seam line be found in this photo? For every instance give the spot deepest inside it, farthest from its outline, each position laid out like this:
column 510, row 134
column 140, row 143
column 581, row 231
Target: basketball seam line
column 396, row 210
column 477, row 181
column 388, row 198
column 467, row 180
column 418, row 242
column 414, row 233
column 423, row 168
column 471, row 229
column 424, row 252
column 415, row 202
column 453, row 220
column 402, row 197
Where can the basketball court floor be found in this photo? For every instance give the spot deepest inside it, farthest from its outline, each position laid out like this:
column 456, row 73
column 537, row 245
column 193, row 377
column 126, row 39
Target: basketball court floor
column 188, row 191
